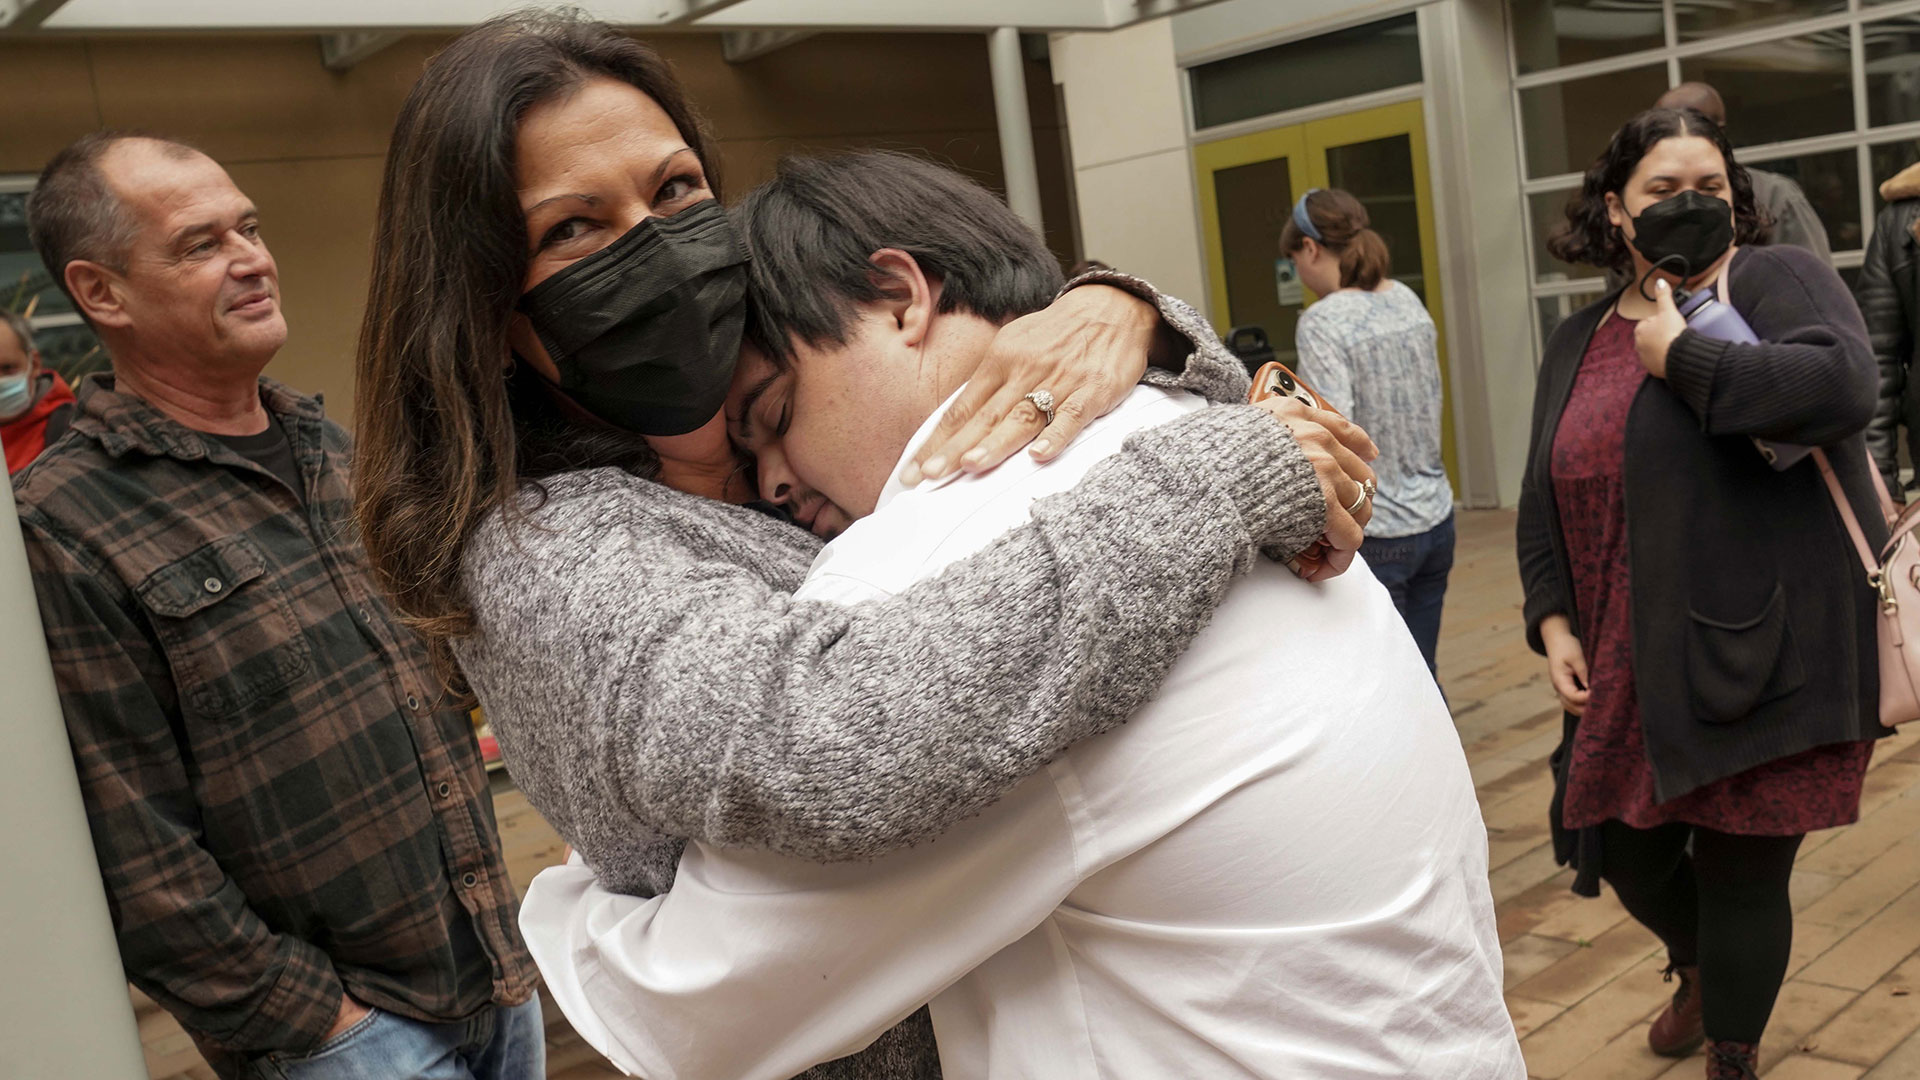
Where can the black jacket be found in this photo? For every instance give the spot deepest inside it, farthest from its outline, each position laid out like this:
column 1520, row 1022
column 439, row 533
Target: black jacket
column 1753, row 624
column 1891, row 305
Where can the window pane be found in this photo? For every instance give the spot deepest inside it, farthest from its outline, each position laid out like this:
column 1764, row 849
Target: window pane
column 1887, row 159
column 1893, row 70
column 1554, row 310
column 1255, row 203
column 1358, row 60
column 1779, row 90
column 1832, row 184
column 72, row 350
column 1548, row 210
column 1553, row 33
column 1696, row 19
column 1568, row 124
column 22, row 275
column 1379, row 172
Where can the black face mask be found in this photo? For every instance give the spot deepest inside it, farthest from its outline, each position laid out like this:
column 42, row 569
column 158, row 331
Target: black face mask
column 1684, row 234
column 646, row 331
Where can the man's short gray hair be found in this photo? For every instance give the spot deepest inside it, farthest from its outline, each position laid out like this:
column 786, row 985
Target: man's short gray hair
column 21, row 328
column 72, row 212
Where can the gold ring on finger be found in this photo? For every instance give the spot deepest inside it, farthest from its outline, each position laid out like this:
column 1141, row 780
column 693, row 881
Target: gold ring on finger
column 1043, row 400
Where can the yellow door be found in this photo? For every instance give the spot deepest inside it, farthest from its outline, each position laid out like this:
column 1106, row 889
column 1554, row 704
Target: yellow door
column 1248, row 185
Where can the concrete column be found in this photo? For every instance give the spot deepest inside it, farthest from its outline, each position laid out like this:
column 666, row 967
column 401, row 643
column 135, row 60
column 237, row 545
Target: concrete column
column 1475, row 165
column 64, row 1011
column 1133, row 175
column 1016, row 126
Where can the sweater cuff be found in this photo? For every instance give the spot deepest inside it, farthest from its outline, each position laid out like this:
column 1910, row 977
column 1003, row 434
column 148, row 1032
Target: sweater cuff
column 1692, row 360
column 1538, row 611
column 1256, row 463
column 1211, row 369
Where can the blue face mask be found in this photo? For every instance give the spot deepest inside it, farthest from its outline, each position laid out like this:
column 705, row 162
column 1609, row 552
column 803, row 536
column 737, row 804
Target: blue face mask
column 16, row 394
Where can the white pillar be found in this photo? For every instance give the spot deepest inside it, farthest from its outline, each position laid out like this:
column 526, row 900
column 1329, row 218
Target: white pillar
column 64, row 1010
column 1483, row 244
column 1016, row 127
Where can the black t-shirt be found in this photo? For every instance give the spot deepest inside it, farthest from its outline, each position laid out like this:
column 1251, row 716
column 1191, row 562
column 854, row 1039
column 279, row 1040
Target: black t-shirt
column 271, row 450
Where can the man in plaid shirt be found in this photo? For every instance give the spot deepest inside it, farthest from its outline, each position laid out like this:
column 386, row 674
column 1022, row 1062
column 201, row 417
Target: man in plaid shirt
column 293, row 825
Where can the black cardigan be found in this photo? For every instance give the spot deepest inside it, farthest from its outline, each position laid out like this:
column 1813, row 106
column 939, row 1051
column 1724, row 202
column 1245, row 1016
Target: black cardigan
column 1753, row 624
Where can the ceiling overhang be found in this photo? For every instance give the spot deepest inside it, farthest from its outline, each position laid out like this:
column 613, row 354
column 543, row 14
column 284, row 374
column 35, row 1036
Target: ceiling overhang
column 35, row 17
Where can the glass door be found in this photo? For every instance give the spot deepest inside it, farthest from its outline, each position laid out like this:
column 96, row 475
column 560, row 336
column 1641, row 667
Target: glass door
column 1247, row 188
column 1248, row 185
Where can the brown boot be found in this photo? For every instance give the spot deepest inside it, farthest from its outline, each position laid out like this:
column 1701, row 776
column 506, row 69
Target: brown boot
column 1677, row 1032
column 1733, row 1061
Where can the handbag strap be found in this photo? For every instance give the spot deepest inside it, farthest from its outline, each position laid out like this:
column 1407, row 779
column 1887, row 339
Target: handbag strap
column 1846, row 510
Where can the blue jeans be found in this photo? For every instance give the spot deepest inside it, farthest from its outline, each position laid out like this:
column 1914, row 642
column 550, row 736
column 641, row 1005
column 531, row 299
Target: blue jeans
column 502, row 1043
column 1414, row 569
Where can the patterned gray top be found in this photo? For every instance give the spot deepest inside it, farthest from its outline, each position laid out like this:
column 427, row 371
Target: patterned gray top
column 1372, row 355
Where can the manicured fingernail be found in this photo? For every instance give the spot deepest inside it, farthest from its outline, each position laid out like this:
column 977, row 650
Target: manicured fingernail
column 910, row 476
column 1040, row 447
column 935, row 468
column 973, row 457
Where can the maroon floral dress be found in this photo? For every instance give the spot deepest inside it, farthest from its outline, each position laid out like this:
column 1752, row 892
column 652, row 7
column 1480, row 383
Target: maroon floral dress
column 1609, row 776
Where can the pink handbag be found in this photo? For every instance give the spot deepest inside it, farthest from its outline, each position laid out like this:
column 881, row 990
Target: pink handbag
column 1895, row 576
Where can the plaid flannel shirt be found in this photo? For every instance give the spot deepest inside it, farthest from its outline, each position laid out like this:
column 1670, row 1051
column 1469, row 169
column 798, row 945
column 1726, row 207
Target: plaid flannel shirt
column 281, row 807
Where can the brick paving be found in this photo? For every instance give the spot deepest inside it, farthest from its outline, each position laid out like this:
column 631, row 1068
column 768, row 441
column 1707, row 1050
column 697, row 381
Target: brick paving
column 1583, row 980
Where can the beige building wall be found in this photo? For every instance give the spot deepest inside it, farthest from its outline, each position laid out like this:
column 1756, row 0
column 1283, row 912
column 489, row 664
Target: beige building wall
column 307, row 143
column 1131, row 169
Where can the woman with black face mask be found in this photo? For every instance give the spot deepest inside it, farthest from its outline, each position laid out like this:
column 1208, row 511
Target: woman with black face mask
column 546, row 489
column 1705, row 622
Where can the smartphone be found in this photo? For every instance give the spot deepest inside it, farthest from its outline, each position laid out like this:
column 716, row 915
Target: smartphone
column 1275, row 379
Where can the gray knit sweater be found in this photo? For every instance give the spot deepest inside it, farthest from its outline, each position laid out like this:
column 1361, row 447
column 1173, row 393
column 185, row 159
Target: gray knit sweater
column 651, row 678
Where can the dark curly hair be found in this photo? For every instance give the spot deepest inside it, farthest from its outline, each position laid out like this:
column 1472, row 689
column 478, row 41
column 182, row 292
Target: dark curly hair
column 1586, row 236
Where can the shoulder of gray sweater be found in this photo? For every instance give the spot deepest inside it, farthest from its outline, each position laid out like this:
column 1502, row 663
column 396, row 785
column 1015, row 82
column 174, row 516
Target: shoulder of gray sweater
column 1212, row 370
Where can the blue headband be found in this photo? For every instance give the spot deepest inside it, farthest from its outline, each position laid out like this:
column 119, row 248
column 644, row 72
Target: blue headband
column 1304, row 223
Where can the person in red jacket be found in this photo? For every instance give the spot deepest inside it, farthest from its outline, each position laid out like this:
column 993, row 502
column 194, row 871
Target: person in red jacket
column 35, row 405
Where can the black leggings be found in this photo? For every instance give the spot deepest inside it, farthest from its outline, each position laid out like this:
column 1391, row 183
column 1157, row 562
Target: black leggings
column 1724, row 906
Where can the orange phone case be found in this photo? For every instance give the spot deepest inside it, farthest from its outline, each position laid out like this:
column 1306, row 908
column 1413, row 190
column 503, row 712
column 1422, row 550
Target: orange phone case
column 1275, row 379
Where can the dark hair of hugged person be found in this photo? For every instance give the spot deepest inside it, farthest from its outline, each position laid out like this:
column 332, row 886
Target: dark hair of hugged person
column 814, row 227
column 1588, row 237
column 449, row 428
column 1345, row 230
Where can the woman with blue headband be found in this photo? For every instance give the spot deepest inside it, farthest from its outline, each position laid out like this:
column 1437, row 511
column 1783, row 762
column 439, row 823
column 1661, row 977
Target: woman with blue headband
column 1369, row 347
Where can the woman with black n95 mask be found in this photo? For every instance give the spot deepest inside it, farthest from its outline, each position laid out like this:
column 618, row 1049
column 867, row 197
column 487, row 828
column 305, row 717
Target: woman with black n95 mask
column 1706, row 626
column 546, row 487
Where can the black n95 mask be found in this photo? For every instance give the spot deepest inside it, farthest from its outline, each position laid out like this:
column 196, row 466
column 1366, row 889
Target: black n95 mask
column 645, row 332
column 1690, row 229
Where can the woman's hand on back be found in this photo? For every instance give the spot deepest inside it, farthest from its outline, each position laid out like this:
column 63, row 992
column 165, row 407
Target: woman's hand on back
column 1339, row 451
column 1088, row 349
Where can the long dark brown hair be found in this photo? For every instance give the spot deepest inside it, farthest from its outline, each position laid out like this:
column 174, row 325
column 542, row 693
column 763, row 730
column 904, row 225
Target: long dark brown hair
column 1348, row 232
column 1588, row 236
column 447, row 433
